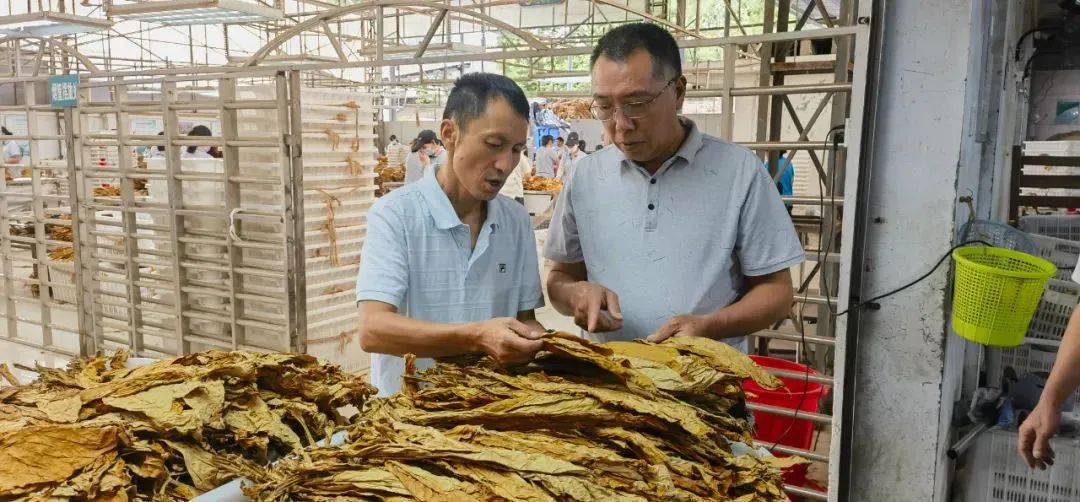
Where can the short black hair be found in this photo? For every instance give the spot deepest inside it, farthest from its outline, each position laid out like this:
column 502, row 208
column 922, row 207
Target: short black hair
column 619, row 43
column 393, row 137
column 581, row 145
column 546, row 140
column 474, row 91
column 560, row 138
column 199, row 130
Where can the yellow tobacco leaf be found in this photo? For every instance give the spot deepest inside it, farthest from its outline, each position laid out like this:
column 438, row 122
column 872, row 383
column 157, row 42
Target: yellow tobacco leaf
column 28, row 456
column 207, row 472
column 164, row 404
column 427, row 486
column 253, row 416
column 64, row 410
column 725, row 358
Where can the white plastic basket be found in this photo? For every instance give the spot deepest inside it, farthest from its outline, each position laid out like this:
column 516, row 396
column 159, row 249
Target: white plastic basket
column 1061, row 252
column 999, row 474
column 1059, row 226
column 1054, row 310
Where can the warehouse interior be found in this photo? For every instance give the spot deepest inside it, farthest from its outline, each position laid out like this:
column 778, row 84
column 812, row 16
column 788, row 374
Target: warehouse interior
column 913, row 128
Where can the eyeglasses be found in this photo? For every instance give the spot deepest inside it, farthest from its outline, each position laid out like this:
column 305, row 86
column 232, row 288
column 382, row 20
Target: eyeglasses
column 634, row 110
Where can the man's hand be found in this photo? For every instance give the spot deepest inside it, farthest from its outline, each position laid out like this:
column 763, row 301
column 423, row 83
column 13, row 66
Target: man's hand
column 596, row 308
column 1035, row 434
column 683, row 325
column 508, row 341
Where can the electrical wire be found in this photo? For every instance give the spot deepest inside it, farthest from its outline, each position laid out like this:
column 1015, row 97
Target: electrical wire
column 822, row 251
column 1020, row 42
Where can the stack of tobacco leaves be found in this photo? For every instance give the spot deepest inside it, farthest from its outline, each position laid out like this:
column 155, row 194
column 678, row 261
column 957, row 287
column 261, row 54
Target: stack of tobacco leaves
column 167, row 431
column 623, row 421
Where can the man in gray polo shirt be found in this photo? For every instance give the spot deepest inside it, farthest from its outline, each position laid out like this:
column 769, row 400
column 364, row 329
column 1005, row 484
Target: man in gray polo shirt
column 546, row 158
column 668, row 232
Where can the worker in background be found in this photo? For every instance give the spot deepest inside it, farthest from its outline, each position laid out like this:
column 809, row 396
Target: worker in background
column 439, row 155
column 673, row 232
column 449, row 266
column 515, row 183
column 420, row 157
column 395, row 152
column 785, row 184
column 13, row 155
column 577, row 152
column 155, row 152
column 198, row 152
column 1042, row 423
column 546, row 158
column 564, row 154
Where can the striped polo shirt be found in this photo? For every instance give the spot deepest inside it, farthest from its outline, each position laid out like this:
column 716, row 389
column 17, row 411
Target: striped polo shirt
column 417, row 257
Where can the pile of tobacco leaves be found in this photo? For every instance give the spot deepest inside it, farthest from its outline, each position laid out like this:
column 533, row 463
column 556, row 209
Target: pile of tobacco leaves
column 102, row 430
column 622, row 421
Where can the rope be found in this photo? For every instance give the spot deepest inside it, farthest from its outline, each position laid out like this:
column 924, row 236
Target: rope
column 335, row 138
column 331, row 229
column 355, row 144
column 355, row 168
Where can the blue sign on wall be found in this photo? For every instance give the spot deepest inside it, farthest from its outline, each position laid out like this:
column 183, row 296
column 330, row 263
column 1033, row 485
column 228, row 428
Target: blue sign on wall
column 64, row 91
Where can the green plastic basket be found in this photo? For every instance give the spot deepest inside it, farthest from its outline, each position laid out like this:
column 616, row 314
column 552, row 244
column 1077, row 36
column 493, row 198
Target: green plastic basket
column 996, row 292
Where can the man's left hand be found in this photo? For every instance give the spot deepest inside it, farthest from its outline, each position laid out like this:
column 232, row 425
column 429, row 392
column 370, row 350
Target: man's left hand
column 683, row 325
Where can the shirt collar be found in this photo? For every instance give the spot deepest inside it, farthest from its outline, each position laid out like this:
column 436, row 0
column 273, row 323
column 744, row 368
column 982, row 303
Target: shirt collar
column 438, row 203
column 690, row 146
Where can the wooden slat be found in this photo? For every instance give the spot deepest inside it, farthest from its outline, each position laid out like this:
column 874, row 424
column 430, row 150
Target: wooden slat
column 1049, row 160
column 1049, row 181
column 1047, row 201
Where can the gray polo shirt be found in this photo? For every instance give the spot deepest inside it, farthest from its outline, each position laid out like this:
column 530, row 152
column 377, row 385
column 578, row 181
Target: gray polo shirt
column 681, row 242
column 546, row 158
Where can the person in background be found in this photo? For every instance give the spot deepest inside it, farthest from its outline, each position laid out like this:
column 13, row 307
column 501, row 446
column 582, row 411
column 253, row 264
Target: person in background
column 564, row 153
column 12, row 155
column 157, row 152
column 598, row 148
column 1042, row 423
column 416, row 293
column 577, row 152
column 546, row 158
column 440, row 153
column 672, row 232
column 198, row 152
column 418, row 160
column 396, row 152
column 515, row 183
column 785, row 184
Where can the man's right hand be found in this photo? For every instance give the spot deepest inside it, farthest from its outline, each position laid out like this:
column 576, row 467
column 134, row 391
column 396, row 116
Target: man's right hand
column 1035, row 434
column 508, row 341
column 596, row 308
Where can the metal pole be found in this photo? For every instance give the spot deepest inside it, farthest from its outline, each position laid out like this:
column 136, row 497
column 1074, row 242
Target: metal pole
column 290, row 118
column 176, row 218
column 87, row 342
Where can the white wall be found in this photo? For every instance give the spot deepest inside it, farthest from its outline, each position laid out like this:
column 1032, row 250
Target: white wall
column 900, row 396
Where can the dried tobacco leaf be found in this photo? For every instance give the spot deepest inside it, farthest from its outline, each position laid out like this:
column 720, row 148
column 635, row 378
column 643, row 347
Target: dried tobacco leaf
column 38, row 455
column 585, row 422
column 169, row 430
